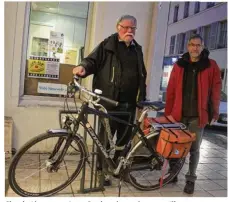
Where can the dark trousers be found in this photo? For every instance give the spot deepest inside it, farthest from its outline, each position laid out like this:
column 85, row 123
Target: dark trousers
column 120, row 128
column 192, row 124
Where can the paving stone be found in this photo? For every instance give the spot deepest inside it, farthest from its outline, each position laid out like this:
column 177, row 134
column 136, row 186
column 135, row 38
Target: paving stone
column 218, row 193
column 209, row 185
column 222, row 183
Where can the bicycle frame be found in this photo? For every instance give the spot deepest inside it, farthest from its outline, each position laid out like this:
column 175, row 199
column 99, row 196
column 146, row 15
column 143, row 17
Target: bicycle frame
column 136, row 130
column 84, row 109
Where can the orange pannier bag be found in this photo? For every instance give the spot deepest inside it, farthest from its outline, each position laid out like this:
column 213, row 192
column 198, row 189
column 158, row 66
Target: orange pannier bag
column 175, row 143
column 172, row 143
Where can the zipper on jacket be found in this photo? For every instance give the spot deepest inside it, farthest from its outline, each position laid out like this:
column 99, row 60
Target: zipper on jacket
column 112, row 75
column 139, row 65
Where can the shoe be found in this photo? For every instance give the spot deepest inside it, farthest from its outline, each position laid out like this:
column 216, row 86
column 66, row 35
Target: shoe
column 189, row 187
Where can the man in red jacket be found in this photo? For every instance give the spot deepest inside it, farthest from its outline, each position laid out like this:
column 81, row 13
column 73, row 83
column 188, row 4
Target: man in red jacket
column 194, row 82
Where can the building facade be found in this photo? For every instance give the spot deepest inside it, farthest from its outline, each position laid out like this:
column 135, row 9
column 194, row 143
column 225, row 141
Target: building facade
column 209, row 19
column 163, row 29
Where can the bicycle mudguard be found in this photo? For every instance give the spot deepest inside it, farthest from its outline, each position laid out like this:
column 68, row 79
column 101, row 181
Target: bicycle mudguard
column 57, row 131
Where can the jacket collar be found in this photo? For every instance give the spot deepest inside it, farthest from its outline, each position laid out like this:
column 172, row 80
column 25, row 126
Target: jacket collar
column 202, row 64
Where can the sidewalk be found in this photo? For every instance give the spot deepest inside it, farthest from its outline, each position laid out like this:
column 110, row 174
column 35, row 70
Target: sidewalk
column 211, row 182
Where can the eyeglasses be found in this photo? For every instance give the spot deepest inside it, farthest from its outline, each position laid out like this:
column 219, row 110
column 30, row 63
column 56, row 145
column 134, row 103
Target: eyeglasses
column 195, row 45
column 127, row 28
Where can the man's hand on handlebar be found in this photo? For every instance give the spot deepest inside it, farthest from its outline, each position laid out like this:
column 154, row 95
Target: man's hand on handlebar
column 79, row 71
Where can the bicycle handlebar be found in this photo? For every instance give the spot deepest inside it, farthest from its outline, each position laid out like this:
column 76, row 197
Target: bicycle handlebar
column 81, row 88
column 110, row 101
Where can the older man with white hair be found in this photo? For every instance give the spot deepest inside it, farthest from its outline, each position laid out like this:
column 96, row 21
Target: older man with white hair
column 119, row 71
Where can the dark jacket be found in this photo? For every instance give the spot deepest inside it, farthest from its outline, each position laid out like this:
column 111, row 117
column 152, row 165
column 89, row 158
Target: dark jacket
column 104, row 63
column 208, row 80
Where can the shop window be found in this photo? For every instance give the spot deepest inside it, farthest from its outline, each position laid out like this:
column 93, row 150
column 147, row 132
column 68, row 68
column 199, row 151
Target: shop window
column 55, row 46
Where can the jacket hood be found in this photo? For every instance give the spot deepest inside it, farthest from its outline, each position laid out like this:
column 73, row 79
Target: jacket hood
column 202, row 64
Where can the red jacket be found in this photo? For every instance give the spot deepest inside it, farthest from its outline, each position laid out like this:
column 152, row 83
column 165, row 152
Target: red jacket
column 209, row 78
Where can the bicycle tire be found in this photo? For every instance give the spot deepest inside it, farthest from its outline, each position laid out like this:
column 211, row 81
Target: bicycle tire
column 140, row 157
column 29, row 153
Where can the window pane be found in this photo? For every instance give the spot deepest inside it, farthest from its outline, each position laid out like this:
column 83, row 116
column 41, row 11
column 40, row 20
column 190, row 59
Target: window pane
column 197, row 7
column 182, row 43
column 206, row 35
column 172, row 45
column 213, row 35
column 175, row 17
column 210, row 4
column 56, row 40
column 222, row 42
column 186, row 9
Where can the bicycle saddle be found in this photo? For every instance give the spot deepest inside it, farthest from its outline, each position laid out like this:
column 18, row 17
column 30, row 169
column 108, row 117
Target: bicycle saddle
column 157, row 105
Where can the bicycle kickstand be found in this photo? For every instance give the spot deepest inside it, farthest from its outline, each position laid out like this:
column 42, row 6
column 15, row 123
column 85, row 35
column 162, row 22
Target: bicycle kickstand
column 121, row 178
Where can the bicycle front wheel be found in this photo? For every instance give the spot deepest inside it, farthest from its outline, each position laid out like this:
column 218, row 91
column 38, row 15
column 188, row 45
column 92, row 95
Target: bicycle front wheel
column 31, row 172
column 144, row 172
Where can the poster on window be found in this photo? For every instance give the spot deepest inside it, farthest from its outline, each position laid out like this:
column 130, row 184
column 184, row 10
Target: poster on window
column 43, row 67
column 71, row 57
column 39, row 46
column 56, row 42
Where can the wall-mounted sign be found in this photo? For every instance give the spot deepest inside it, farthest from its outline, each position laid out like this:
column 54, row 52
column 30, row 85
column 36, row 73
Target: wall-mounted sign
column 43, row 67
column 52, row 88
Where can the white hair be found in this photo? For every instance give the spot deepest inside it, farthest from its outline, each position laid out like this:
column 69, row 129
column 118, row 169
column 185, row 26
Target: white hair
column 127, row 17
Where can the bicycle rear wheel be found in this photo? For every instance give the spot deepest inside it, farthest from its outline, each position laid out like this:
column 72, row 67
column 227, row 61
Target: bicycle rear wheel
column 31, row 172
column 144, row 172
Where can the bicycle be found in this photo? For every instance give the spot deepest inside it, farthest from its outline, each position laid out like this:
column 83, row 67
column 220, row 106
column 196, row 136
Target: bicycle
column 60, row 151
